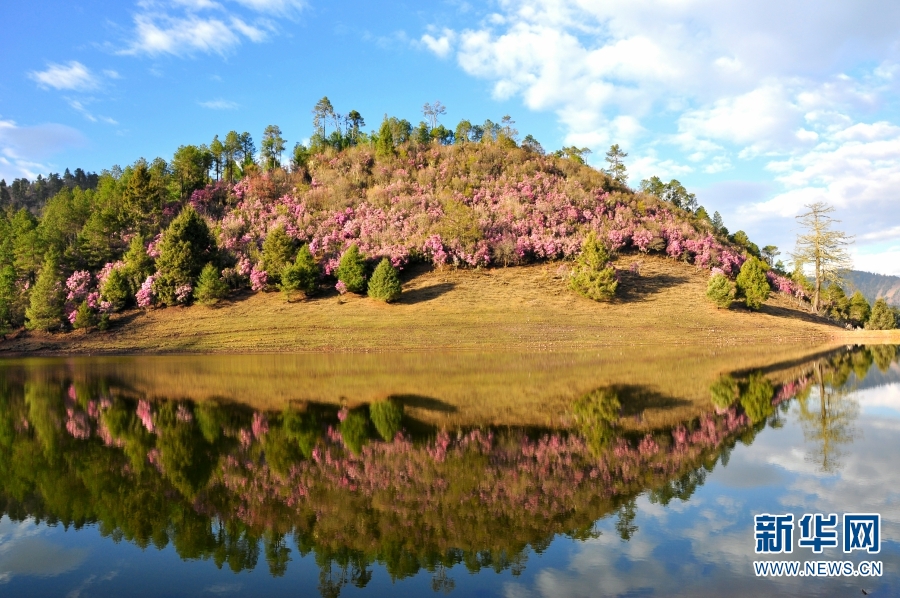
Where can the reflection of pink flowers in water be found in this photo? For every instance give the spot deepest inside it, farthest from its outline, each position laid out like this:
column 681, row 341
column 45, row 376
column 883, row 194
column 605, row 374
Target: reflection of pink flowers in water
column 183, row 414
column 342, row 414
column 154, row 457
column 260, row 425
column 71, row 395
column 146, row 416
column 648, row 446
column 246, row 438
column 78, row 426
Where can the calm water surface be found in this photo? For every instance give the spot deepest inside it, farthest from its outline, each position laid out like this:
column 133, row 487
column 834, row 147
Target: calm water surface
column 117, row 482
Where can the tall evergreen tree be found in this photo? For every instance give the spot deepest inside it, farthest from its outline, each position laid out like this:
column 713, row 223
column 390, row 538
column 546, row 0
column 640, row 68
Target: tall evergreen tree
column 45, row 308
column 184, row 248
column 616, row 168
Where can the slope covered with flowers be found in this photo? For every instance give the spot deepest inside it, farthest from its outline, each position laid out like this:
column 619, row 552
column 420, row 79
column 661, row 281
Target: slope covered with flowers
column 464, row 205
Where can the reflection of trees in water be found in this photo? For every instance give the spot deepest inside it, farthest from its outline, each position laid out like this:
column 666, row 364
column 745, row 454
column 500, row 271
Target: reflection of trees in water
column 226, row 484
column 827, row 417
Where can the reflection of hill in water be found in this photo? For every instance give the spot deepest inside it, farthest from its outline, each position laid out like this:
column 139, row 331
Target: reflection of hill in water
column 229, row 483
column 519, row 389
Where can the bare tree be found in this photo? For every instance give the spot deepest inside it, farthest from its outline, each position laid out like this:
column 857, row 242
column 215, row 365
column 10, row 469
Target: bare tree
column 821, row 247
column 433, row 112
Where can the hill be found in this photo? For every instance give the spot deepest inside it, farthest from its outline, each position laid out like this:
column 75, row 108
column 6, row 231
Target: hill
column 875, row 286
column 436, row 210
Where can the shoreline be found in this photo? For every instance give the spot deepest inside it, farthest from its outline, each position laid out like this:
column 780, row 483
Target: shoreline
column 526, row 308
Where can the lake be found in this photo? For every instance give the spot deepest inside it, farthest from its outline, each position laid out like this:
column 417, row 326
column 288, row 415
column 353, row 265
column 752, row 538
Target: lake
column 621, row 473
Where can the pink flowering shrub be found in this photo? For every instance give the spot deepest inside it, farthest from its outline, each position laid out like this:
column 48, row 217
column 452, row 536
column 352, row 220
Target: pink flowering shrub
column 146, row 296
column 258, row 279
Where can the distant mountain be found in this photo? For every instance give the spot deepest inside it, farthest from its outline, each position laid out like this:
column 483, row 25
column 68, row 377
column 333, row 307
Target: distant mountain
column 874, row 286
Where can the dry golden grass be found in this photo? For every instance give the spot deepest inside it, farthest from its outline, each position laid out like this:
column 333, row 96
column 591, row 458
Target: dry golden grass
column 526, row 308
column 503, row 346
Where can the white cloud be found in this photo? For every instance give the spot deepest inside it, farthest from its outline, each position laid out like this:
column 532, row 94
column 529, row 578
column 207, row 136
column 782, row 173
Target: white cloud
column 440, row 45
column 23, row 149
column 219, row 105
column 181, row 36
column 74, row 76
column 188, row 27
column 742, row 84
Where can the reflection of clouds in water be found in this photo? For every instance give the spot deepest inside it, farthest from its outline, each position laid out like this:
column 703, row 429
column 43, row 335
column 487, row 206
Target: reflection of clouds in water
column 704, row 547
column 882, row 400
column 224, row 588
column 36, row 556
column 24, row 552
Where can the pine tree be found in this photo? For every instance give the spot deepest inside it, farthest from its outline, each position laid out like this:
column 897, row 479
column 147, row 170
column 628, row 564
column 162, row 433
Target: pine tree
column 616, row 169
column 84, row 317
column 278, row 252
column 385, row 283
column 116, row 289
column 45, row 309
column 210, row 286
column 301, row 276
column 752, row 284
column 882, row 317
column 592, row 276
column 9, row 300
column 352, row 270
column 720, row 291
column 859, row 309
column 183, row 250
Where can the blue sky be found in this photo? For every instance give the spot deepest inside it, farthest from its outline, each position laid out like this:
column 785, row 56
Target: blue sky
column 759, row 106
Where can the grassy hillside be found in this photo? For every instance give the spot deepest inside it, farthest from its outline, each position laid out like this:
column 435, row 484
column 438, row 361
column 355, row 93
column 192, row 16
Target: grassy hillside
column 528, row 307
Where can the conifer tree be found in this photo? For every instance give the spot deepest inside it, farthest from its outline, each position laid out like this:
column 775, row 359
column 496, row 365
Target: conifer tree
column 592, row 276
column 278, row 252
column 882, row 317
column 84, row 317
column 385, row 283
column 301, row 276
column 859, row 309
column 720, row 291
column 9, row 300
column 352, row 270
column 183, row 250
column 45, row 309
column 752, row 284
column 210, row 286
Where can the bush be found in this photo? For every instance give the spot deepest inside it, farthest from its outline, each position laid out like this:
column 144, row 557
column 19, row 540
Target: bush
column 720, row 291
column 752, row 284
column 387, row 417
column 210, row 286
column 301, row 276
column 882, row 317
column 84, row 317
column 592, row 276
column 352, row 270
column 116, row 289
column 385, row 282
